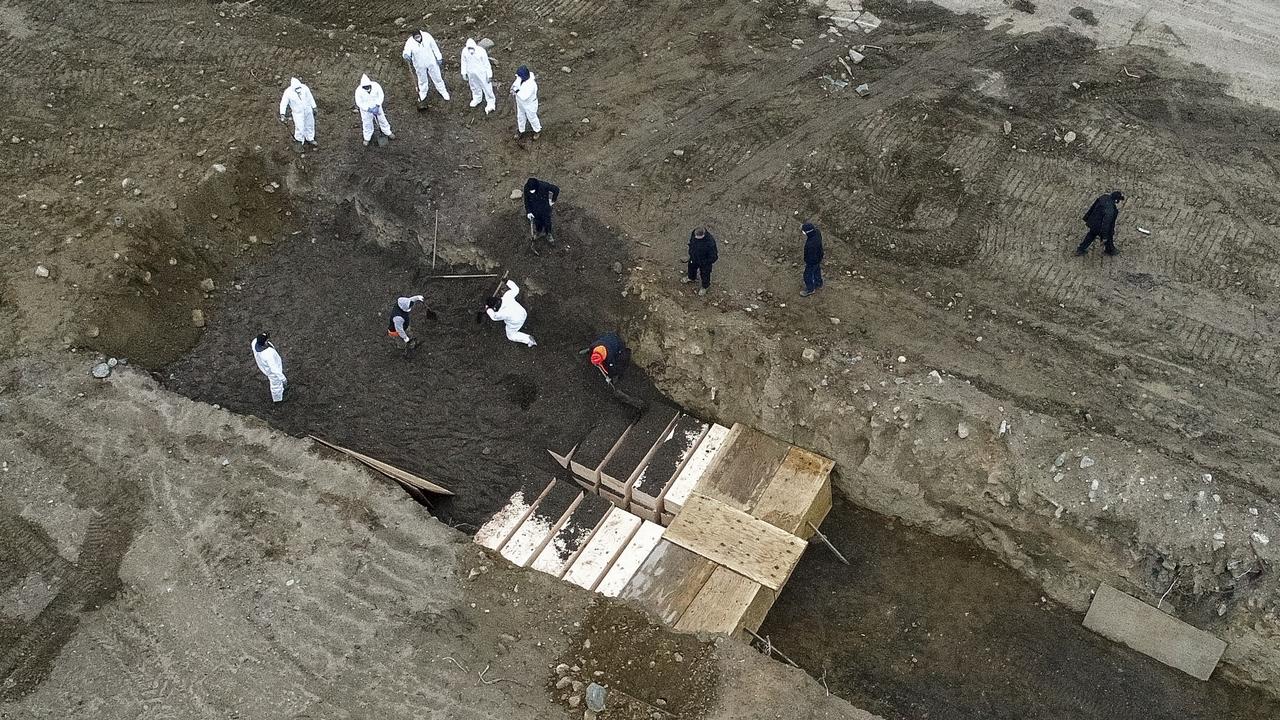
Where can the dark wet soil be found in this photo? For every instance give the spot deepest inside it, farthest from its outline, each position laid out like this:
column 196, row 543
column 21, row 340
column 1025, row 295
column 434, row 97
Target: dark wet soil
column 921, row 627
column 471, row 410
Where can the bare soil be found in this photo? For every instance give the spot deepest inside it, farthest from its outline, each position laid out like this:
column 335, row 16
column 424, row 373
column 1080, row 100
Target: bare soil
column 143, row 158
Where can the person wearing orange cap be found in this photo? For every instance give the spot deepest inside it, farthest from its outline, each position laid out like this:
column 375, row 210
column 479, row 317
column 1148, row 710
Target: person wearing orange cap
column 610, row 356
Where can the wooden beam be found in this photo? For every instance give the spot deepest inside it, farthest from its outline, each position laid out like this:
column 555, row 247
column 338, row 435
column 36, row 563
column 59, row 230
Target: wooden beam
column 742, row 468
column 798, row 493
column 390, row 471
column 730, row 537
column 667, row 581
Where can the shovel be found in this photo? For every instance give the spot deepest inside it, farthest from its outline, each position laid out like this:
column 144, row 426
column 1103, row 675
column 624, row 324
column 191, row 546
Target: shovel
column 501, row 282
column 635, row 404
column 533, row 241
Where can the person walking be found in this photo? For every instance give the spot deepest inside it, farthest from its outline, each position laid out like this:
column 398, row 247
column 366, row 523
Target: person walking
column 423, row 55
column 539, row 197
column 525, row 92
column 812, row 259
column 271, row 365
column 369, row 99
column 398, row 324
column 301, row 104
column 509, row 311
column 702, row 255
column 478, row 72
column 1101, row 219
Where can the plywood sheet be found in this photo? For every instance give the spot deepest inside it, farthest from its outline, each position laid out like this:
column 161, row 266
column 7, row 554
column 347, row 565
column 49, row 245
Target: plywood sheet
column 723, row 603
column 741, row 469
column 632, row 557
column 1128, row 620
column 667, row 581
column 730, row 537
column 798, row 493
column 390, row 471
column 701, row 458
column 598, row 554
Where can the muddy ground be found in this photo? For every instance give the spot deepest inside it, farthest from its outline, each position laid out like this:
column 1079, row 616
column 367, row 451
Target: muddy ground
column 144, row 159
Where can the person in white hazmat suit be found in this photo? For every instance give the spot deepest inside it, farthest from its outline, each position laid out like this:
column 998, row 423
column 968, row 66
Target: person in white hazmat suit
column 299, row 102
column 525, row 91
column 369, row 99
column 511, row 313
column 478, row 72
column 423, row 55
column 271, row 365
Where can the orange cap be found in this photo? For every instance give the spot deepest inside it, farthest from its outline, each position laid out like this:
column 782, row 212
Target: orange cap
column 598, row 354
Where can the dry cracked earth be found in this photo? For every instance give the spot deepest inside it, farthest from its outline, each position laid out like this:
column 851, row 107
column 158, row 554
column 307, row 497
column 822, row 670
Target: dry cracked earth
column 171, row 556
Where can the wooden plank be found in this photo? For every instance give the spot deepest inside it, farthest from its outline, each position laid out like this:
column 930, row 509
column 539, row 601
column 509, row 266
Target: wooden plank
column 562, row 460
column 1128, row 620
column 632, row 557
column 538, row 527
column 723, row 602
column 667, row 581
column 672, row 497
column 494, row 533
column 598, row 554
column 574, row 532
column 745, row 544
column 740, row 471
column 798, row 493
column 390, row 471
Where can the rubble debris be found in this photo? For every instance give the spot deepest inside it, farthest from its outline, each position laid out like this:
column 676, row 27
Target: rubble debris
column 197, row 318
column 42, row 271
column 1087, row 462
column 863, row 90
column 101, row 371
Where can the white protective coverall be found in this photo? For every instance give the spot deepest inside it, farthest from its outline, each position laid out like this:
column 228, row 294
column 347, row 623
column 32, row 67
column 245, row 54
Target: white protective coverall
column 370, row 104
column 478, row 72
column 271, row 365
column 425, row 59
column 513, row 315
column 299, row 101
column 526, row 93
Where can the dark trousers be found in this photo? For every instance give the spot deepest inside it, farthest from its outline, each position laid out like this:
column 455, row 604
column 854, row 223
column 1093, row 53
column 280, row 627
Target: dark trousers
column 704, row 270
column 1108, row 245
column 812, row 276
column 542, row 224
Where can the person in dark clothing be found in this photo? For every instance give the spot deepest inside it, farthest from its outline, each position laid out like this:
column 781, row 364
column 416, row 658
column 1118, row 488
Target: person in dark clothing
column 1101, row 220
column 539, row 197
column 610, row 356
column 812, row 259
column 702, row 255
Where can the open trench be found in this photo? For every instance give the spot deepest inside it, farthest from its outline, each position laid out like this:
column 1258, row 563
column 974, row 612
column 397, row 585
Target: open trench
column 916, row 627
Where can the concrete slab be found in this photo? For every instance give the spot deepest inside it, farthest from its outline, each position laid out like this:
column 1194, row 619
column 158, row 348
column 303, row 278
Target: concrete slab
column 1126, row 619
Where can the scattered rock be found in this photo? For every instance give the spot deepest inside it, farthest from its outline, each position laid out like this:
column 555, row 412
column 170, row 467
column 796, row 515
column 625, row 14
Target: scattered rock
column 1058, row 461
column 94, row 331
column 1084, row 15
column 207, row 285
column 562, row 669
column 855, row 56
column 1008, row 127
column 566, row 69
column 677, row 153
column 962, row 431
column 125, row 183
column 1069, row 138
column 42, row 271
column 595, row 697
column 219, row 168
column 507, row 638
column 1004, row 427
column 398, row 21
column 936, row 376
column 112, row 362
column 1260, row 538
column 1087, row 462
column 575, row 701
column 617, row 267
column 515, row 193
column 485, row 43
column 563, row 683
column 863, row 90
column 902, row 358
column 809, row 355
column 197, row 318
column 101, row 370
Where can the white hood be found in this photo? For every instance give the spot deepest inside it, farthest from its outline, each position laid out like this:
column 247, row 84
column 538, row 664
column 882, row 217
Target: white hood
column 364, row 80
column 405, row 303
column 471, row 45
column 294, row 84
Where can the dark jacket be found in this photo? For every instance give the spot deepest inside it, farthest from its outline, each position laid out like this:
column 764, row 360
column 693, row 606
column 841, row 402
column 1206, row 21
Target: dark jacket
column 702, row 252
column 812, row 246
column 1102, row 215
column 538, row 196
column 617, row 356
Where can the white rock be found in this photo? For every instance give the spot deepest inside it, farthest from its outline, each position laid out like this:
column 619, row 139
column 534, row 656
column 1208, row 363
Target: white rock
column 1004, row 427
column 515, row 194
column 902, row 358
column 936, row 376
column 566, row 69
column 42, row 271
column 1069, row 138
column 197, row 318
column 1260, row 538
column 101, row 370
column 962, row 431
column 207, row 285
column 677, row 153
column 1008, row 127
column 485, row 43
column 112, row 362
column 809, row 355
column 1087, row 461
column 219, row 167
